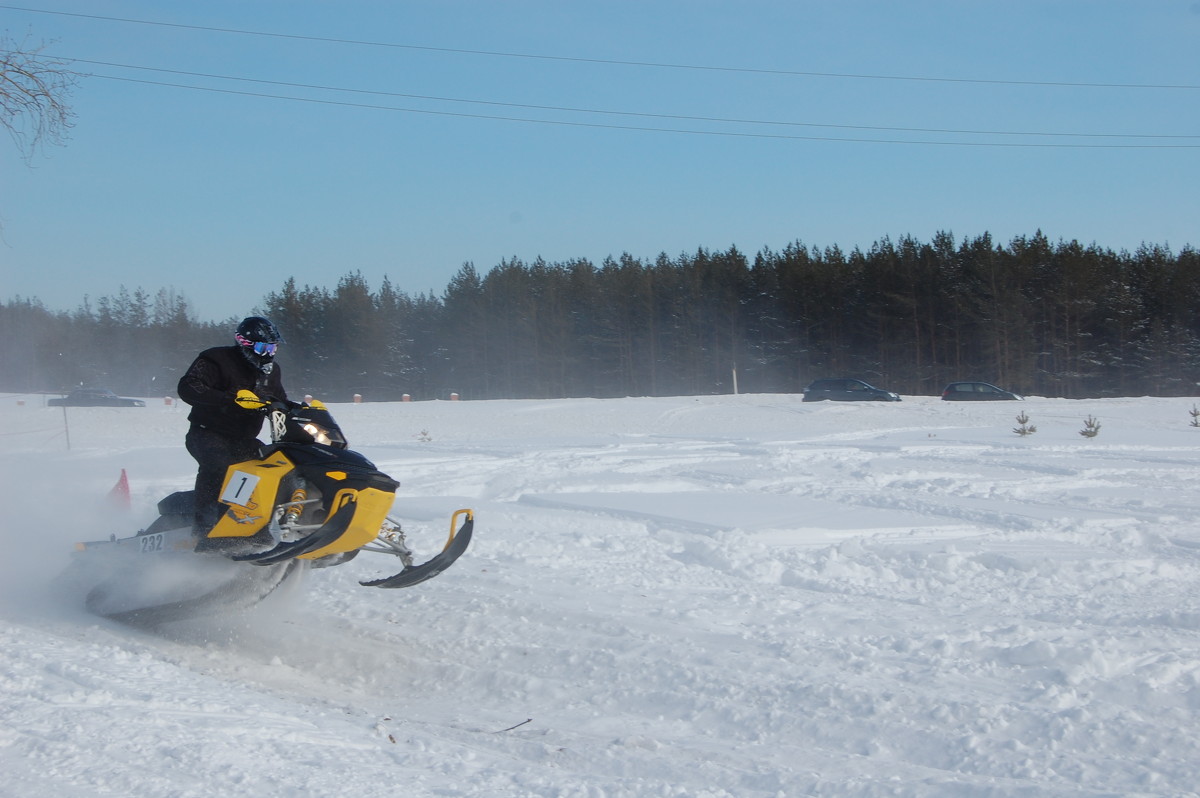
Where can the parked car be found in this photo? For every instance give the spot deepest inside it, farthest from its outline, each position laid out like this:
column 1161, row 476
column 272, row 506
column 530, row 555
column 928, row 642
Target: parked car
column 976, row 392
column 847, row 391
column 94, row 397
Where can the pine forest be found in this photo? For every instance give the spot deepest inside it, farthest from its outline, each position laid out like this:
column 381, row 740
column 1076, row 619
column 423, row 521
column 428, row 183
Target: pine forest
column 1040, row 318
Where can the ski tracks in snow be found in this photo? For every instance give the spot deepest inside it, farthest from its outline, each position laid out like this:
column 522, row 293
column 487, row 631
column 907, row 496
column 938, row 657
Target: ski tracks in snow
column 723, row 596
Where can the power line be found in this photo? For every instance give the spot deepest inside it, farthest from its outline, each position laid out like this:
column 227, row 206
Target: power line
column 681, row 117
column 565, row 123
column 607, row 61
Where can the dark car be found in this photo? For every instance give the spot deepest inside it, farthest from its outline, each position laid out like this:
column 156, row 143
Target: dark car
column 976, row 392
column 94, row 397
column 847, row 391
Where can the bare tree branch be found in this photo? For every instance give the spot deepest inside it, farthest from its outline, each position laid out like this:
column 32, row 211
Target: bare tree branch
column 33, row 96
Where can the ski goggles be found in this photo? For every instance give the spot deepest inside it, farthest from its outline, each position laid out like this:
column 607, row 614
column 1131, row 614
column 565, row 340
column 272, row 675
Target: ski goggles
column 259, row 347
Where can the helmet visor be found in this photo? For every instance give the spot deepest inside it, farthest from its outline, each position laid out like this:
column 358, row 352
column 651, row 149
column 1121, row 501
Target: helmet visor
column 259, row 347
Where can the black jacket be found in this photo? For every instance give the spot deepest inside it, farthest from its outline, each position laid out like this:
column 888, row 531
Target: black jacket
column 213, row 380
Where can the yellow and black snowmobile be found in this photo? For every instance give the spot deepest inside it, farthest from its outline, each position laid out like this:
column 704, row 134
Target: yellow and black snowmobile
column 306, row 501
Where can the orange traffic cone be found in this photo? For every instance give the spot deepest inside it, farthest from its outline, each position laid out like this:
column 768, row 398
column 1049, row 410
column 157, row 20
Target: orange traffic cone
column 119, row 495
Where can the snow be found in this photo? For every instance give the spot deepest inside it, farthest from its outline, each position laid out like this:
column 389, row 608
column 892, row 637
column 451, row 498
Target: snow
column 698, row 596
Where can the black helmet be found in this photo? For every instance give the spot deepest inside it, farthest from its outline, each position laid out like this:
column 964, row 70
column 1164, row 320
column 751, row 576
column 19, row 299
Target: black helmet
column 258, row 339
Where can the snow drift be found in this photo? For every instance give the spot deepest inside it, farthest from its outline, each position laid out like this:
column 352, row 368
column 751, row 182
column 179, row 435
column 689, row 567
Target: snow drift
column 713, row 596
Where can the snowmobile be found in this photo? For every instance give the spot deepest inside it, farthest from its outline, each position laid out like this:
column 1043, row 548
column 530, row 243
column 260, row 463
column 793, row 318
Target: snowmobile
column 307, row 501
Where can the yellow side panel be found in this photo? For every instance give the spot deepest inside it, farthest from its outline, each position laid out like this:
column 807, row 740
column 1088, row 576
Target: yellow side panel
column 249, row 494
column 372, row 507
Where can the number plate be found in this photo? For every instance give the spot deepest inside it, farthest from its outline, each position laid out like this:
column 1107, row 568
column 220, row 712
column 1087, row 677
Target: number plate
column 240, row 488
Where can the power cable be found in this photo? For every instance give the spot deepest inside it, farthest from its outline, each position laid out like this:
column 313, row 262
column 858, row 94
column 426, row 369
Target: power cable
column 607, row 61
column 723, row 120
column 639, row 128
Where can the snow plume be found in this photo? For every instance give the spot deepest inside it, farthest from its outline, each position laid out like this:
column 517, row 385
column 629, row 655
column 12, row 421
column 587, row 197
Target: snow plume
column 53, row 505
column 59, row 468
column 706, row 596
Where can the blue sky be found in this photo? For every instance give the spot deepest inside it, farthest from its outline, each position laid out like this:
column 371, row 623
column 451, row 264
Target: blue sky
column 474, row 131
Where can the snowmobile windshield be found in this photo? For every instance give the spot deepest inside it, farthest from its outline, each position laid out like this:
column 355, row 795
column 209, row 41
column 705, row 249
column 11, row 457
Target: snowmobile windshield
column 312, row 425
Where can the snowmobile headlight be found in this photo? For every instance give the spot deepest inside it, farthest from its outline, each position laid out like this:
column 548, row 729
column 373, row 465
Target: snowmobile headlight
column 318, row 433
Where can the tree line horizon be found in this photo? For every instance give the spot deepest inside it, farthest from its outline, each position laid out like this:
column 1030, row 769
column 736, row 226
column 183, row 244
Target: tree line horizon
column 1040, row 318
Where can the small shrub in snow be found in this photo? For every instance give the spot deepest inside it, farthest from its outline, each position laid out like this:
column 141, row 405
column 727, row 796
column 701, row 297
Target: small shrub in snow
column 1195, row 413
column 1091, row 428
column 1026, row 428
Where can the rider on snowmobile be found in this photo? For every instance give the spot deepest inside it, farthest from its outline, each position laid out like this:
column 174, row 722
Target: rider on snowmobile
column 225, row 420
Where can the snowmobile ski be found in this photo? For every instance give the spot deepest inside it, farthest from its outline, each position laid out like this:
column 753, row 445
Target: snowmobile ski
column 416, row 574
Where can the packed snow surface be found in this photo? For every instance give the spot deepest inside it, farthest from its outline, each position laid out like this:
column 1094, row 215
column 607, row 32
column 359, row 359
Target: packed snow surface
column 698, row 596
